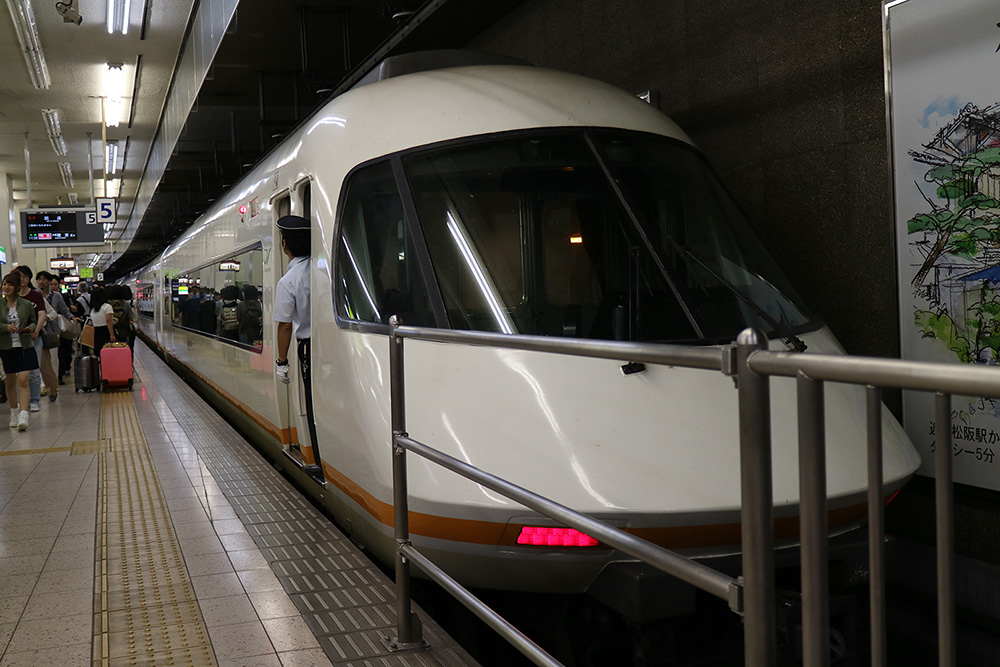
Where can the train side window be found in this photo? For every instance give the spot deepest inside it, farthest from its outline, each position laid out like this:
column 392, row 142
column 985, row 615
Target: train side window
column 377, row 271
column 221, row 300
column 239, row 312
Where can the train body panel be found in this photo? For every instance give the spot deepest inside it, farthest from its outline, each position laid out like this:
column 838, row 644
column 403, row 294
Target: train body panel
column 654, row 452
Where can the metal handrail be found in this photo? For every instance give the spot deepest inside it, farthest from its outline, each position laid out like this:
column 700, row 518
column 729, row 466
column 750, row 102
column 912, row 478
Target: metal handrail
column 752, row 365
column 708, row 579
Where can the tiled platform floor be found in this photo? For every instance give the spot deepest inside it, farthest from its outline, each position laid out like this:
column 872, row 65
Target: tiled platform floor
column 250, row 595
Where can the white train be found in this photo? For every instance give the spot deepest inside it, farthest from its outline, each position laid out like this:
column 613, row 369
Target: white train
column 514, row 199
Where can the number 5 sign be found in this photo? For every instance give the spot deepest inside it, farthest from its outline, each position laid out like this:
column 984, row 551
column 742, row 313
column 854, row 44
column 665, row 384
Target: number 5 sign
column 106, row 211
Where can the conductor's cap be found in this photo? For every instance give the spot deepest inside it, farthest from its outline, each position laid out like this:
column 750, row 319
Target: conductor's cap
column 293, row 223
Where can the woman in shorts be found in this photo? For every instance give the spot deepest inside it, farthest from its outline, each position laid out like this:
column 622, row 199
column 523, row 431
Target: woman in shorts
column 17, row 350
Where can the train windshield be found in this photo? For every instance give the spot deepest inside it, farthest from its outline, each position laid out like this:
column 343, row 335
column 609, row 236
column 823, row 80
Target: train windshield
column 610, row 235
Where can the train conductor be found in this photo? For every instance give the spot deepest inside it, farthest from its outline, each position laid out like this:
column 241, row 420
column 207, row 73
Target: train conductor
column 291, row 310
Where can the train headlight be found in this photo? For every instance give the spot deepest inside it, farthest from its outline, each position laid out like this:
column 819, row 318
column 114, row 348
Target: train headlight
column 545, row 536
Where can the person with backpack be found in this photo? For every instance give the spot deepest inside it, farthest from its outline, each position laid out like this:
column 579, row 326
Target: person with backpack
column 227, row 313
column 250, row 315
column 82, row 303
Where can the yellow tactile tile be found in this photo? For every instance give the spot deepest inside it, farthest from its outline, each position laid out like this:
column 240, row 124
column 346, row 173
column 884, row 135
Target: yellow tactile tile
column 145, row 609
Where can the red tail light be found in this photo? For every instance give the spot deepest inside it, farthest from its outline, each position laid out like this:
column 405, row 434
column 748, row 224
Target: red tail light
column 539, row 536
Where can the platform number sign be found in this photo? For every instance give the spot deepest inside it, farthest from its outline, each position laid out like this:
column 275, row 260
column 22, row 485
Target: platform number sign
column 91, row 217
column 105, row 211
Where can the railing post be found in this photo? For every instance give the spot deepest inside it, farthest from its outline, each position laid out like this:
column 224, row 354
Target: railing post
column 759, row 624
column 408, row 633
column 813, row 523
column 944, row 492
column 876, row 529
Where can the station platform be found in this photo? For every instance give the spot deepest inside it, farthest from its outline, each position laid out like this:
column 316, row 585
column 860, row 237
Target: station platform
column 139, row 528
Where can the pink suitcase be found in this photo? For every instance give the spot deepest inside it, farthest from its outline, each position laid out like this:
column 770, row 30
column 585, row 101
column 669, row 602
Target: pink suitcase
column 116, row 367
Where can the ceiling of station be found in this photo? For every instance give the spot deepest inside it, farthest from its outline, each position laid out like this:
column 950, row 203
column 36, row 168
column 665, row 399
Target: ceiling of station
column 276, row 63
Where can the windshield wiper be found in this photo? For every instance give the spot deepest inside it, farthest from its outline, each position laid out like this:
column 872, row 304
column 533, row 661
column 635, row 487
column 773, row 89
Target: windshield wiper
column 788, row 338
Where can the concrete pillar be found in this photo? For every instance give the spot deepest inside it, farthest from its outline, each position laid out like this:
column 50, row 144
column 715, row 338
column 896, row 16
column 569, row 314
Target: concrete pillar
column 11, row 219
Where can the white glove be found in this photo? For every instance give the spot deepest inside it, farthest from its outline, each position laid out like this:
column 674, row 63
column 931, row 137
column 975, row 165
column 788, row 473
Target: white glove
column 281, row 370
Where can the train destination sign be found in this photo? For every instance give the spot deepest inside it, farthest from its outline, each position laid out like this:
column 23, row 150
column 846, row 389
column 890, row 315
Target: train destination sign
column 59, row 227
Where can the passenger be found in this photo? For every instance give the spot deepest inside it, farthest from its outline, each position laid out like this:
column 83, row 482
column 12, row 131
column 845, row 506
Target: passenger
column 118, row 299
column 191, row 307
column 206, row 312
column 51, row 333
column 34, row 296
column 102, row 315
column 17, row 324
column 249, row 314
column 83, row 301
column 227, row 313
column 65, row 338
column 131, row 312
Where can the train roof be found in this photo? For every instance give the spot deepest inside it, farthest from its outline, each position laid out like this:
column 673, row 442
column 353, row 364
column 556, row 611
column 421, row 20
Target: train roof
column 419, row 108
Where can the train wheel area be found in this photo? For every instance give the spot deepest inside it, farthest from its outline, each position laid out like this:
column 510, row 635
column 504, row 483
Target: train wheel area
column 140, row 528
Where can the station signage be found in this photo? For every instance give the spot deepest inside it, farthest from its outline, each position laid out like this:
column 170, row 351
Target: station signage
column 62, row 264
column 229, row 266
column 49, row 227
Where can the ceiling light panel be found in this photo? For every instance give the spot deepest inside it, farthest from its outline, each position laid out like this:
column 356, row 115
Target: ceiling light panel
column 114, row 83
column 117, row 16
column 54, row 130
column 31, row 45
column 67, row 175
column 111, row 158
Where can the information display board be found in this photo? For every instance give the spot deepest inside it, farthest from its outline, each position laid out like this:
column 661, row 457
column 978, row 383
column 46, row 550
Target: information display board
column 60, row 227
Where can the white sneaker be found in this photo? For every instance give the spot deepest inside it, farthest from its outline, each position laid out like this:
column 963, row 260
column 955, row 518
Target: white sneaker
column 22, row 421
column 14, row 414
column 34, row 407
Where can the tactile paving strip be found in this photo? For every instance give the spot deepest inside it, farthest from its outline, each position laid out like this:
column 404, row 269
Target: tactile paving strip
column 145, row 609
column 344, row 599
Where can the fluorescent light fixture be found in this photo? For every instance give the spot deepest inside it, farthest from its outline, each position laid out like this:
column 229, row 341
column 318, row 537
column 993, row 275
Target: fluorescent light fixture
column 111, row 158
column 114, row 83
column 54, row 131
column 67, row 174
column 113, row 187
column 31, row 45
column 118, row 11
column 74, row 199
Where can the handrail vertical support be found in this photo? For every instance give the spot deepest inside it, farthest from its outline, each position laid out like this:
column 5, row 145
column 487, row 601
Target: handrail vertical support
column 813, row 523
column 876, row 530
column 944, row 493
column 759, row 622
column 408, row 635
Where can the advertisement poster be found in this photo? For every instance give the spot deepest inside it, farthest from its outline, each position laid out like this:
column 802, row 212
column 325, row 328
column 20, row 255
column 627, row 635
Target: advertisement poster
column 943, row 101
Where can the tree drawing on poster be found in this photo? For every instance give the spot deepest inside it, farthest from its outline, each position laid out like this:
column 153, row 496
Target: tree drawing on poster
column 958, row 236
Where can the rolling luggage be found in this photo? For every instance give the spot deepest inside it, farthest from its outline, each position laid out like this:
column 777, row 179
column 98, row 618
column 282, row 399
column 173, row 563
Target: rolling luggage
column 116, row 366
column 86, row 372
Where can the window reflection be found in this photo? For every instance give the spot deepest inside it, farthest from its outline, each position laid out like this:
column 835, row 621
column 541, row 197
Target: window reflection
column 222, row 300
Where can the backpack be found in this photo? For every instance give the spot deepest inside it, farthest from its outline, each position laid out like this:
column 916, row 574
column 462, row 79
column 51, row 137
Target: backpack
column 230, row 319
column 121, row 321
column 251, row 320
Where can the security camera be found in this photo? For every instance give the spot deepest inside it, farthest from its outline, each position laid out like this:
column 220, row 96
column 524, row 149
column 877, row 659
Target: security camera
column 69, row 12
